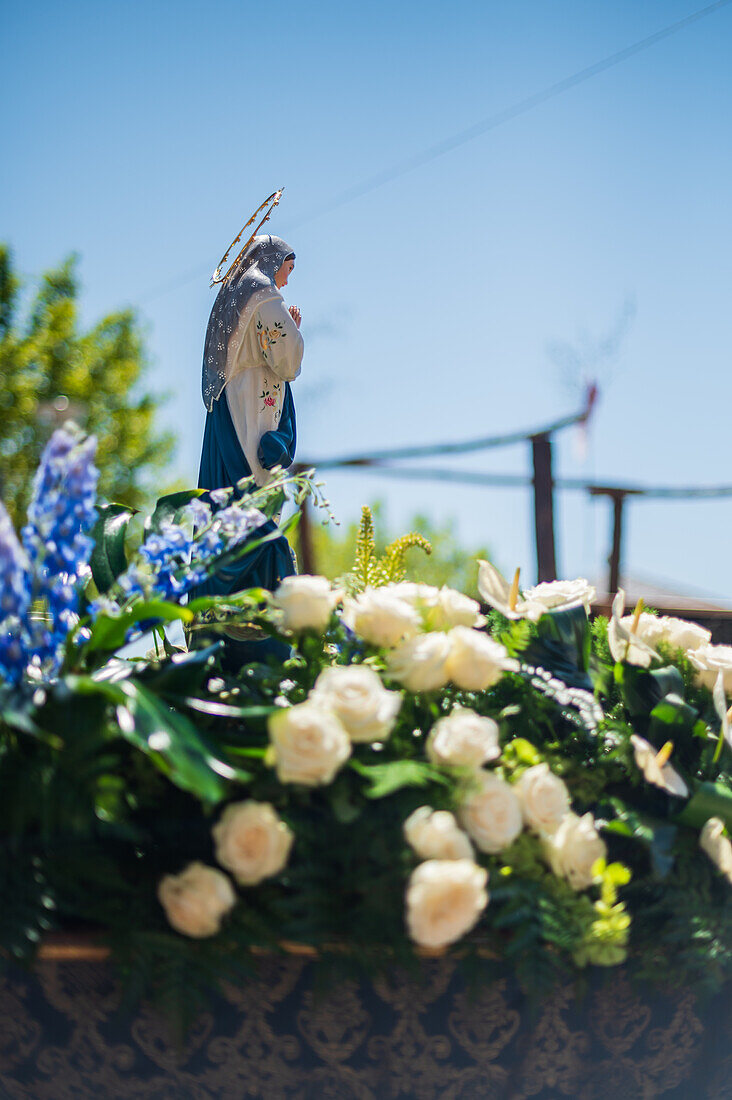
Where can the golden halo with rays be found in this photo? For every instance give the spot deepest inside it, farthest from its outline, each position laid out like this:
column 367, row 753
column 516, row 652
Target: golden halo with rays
column 268, row 206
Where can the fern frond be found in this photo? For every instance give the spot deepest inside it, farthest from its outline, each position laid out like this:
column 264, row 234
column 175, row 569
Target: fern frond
column 361, row 576
column 393, row 560
column 371, row 570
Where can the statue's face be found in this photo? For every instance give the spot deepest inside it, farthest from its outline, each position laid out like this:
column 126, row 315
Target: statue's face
column 284, row 273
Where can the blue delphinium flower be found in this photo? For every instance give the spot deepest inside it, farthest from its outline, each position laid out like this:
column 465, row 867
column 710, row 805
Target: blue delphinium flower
column 15, row 599
column 56, row 537
column 180, row 556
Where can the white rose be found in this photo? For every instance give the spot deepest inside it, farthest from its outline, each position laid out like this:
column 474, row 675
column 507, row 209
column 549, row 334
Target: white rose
column 420, row 663
column 648, row 631
column 476, row 662
column 551, row 594
column 435, row 834
column 422, row 597
column 463, row 739
column 308, row 744
column 451, row 609
column 195, row 900
column 444, row 900
column 573, row 850
column 717, row 846
column 357, row 696
column 381, row 618
column 664, row 628
column 306, row 602
column 251, row 841
column 491, row 813
column 709, row 661
column 544, row 798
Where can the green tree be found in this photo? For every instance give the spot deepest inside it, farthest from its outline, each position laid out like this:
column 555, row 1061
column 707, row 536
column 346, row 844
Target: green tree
column 449, row 563
column 53, row 371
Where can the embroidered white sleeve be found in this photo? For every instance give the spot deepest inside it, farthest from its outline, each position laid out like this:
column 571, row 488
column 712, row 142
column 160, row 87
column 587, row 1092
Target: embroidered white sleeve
column 279, row 339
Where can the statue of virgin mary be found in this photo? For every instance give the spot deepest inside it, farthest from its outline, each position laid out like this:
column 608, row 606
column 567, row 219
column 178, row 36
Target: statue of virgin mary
column 253, row 351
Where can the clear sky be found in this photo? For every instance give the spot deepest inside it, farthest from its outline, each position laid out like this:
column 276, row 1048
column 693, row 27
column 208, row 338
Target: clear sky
column 593, row 234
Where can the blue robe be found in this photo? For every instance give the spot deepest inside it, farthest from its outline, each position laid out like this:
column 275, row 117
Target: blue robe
column 223, row 464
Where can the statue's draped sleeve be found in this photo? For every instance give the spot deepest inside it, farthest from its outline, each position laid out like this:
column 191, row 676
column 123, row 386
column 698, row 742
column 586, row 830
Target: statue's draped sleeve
column 279, row 338
column 267, row 360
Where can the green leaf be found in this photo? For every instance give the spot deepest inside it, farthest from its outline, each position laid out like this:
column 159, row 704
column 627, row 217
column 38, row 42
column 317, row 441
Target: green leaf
column 21, row 721
column 562, row 646
column 169, row 738
column 168, row 509
column 225, row 710
column 345, row 808
column 643, row 688
column 672, row 720
column 181, row 672
column 522, row 751
column 385, row 779
column 657, row 836
column 708, row 800
column 109, row 632
column 108, row 557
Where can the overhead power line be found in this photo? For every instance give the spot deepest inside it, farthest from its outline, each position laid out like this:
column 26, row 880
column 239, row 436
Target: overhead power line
column 522, row 107
column 524, row 481
column 464, row 446
column 383, row 464
column 462, row 137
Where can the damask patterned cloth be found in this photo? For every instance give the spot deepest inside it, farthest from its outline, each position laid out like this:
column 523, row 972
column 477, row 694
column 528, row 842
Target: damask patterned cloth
column 285, row 1036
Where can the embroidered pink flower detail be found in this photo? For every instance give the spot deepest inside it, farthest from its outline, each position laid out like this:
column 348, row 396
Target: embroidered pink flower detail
column 270, row 401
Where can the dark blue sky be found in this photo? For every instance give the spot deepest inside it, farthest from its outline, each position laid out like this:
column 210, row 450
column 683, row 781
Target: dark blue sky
column 592, row 234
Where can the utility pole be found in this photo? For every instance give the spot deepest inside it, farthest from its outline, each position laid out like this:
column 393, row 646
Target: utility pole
column 307, row 549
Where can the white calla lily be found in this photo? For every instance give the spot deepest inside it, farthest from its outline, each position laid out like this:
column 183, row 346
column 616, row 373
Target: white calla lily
column 626, row 644
column 496, row 591
column 656, row 769
column 556, row 594
column 717, row 846
column 720, row 705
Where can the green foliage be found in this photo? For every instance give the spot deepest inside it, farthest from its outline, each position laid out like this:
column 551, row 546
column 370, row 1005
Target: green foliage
column 53, row 371
column 113, row 776
column 108, row 558
column 386, row 779
column 450, row 563
column 371, row 569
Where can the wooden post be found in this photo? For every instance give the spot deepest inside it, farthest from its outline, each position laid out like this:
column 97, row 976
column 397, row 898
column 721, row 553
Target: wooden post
column 307, row 550
column 618, row 500
column 617, row 496
column 546, row 563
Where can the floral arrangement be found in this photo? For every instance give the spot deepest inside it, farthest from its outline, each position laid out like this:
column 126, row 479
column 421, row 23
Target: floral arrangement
column 528, row 784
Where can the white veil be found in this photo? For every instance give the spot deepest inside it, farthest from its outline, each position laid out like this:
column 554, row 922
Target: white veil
column 249, row 284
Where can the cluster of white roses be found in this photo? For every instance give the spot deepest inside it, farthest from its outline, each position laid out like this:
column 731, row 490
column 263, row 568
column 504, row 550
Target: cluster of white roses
column 431, row 633
column 252, row 842
column 311, row 741
column 432, row 638
column 447, row 893
column 308, row 744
